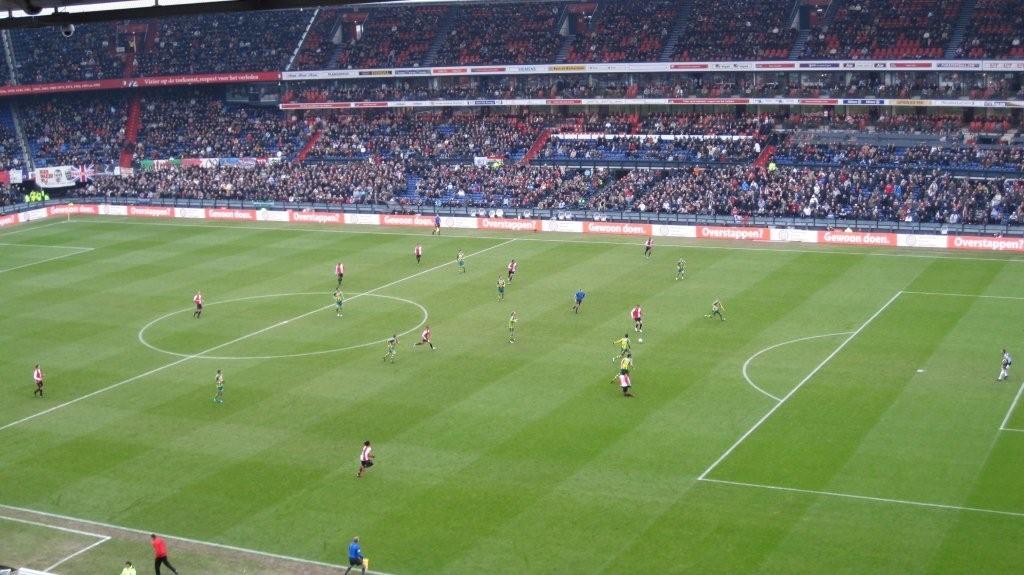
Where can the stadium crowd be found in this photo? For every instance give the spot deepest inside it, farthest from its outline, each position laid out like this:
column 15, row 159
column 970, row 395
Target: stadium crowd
column 74, row 129
column 748, row 30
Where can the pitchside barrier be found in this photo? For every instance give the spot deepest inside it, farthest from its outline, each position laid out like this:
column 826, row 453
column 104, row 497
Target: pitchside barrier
column 709, row 232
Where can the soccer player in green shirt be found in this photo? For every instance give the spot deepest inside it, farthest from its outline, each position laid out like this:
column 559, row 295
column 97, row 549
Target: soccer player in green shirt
column 461, row 259
column 339, row 300
column 501, row 289
column 392, row 348
column 218, row 380
column 680, row 269
column 623, row 344
column 512, row 327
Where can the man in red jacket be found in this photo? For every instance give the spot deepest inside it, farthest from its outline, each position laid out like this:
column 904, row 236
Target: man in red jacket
column 160, row 554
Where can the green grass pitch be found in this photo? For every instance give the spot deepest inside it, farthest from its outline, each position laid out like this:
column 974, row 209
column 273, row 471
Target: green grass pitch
column 869, row 435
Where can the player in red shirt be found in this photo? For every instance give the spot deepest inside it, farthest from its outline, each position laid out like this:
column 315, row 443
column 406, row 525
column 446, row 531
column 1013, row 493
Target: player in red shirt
column 638, row 318
column 37, row 377
column 648, row 247
column 339, row 271
column 160, row 554
column 418, row 251
column 512, row 267
column 198, row 300
column 425, row 338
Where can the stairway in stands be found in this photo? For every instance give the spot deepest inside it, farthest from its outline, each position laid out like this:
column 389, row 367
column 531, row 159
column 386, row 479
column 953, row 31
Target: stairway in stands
column 799, row 43
column 537, row 146
column 680, row 25
column 963, row 20
column 764, row 157
column 304, row 152
column 131, row 131
column 447, row 23
column 10, row 122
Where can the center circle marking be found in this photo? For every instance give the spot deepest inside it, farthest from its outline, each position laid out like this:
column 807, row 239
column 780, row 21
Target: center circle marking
column 201, row 355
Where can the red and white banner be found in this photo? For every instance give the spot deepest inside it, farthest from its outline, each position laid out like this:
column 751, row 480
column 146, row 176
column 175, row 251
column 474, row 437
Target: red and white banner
column 986, row 244
column 511, row 225
column 56, row 176
column 316, row 217
column 151, row 212
column 617, row 228
column 73, row 209
column 725, row 233
column 856, row 238
column 780, row 235
column 404, row 220
column 231, row 215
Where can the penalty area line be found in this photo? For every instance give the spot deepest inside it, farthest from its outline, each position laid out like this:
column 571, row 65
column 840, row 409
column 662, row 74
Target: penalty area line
column 786, row 397
column 121, row 530
column 234, row 341
column 1009, row 412
column 43, row 261
column 866, row 497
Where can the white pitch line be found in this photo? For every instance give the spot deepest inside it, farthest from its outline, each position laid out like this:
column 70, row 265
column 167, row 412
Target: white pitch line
column 1012, row 429
column 278, row 227
column 767, row 349
column 31, row 228
column 55, row 527
column 786, row 397
column 77, row 553
column 46, row 246
column 977, row 295
column 177, row 538
column 234, row 341
column 36, row 263
column 1009, row 412
column 868, row 498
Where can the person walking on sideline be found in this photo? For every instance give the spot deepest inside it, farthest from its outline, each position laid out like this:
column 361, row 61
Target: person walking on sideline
column 128, row 569
column 355, row 557
column 160, row 554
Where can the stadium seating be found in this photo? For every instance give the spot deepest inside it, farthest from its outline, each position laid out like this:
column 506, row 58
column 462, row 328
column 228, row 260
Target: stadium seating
column 626, row 32
column 199, row 124
column 886, row 29
column 75, row 129
column 502, row 33
column 745, row 30
column 996, row 31
column 43, row 55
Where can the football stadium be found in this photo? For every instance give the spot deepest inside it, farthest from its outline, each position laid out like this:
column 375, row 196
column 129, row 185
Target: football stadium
column 501, row 287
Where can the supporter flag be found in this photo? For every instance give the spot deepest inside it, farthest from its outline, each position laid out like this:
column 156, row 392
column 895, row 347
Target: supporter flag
column 85, row 173
column 55, row 177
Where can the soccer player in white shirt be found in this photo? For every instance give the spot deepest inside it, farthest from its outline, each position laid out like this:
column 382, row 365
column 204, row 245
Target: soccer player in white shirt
column 365, row 459
column 1004, row 371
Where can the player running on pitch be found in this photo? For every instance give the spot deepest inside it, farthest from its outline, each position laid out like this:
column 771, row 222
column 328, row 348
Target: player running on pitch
column 339, row 272
column 1007, row 361
column 648, row 247
column 425, row 338
column 626, row 384
column 392, row 350
column 366, row 458
column 637, row 313
column 218, row 380
column 716, row 310
column 339, row 301
column 418, row 252
column 580, row 294
column 501, row 288
column 437, row 225
column 37, row 378
column 623, row 344
column 625, row 364
column 198, row 301
column 461, row 259
column 680, row 269
column 512, row 320
column 513, row 266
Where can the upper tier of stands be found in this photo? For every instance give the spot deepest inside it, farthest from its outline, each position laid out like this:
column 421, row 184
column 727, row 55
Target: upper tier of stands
column 527, row 33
